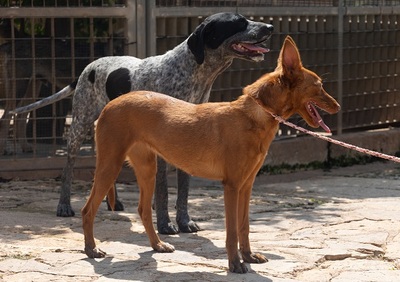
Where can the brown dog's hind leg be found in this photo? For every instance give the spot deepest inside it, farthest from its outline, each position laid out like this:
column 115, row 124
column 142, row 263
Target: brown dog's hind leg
column 88, row 215
column 107, row 170
column 144, row 162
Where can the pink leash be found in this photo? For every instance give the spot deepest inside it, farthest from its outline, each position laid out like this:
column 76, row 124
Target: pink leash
column 340, row 143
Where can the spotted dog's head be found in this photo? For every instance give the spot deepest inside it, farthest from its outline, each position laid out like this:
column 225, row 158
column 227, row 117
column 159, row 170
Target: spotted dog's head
column 241, row 38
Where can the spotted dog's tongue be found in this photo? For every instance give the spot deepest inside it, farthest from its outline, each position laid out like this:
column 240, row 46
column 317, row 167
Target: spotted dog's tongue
column 317, row 118
column 255, row 48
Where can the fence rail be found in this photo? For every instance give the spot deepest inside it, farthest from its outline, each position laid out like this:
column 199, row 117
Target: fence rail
column 353, row 45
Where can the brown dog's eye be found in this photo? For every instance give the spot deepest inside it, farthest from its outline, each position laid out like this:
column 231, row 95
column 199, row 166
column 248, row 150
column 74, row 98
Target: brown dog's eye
column 319, row 84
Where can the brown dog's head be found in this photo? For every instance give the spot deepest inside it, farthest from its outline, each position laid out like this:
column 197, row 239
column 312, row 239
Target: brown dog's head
column 291, row 89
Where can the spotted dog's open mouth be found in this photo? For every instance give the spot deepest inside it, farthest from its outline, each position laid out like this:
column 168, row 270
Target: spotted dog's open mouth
column 253, row 50
column 313, row 112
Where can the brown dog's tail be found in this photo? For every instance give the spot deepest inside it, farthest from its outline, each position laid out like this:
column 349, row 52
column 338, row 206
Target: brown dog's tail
column 111, row 197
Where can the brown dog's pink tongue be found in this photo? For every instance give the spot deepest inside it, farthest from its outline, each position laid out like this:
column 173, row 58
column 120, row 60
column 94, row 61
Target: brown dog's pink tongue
column 255, row 48
column 317, row 118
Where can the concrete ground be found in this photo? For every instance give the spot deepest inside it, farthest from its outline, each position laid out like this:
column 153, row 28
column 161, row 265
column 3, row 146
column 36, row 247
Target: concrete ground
column 338, row 225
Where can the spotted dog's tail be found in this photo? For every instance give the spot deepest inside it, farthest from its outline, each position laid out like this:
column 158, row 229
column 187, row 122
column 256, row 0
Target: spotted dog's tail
column 63, row 93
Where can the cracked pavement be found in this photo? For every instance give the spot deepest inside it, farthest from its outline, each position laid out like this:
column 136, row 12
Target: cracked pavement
column 338, row 225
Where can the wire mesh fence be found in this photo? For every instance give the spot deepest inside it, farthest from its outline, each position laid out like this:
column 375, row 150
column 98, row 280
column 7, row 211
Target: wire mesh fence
column 40, row 54
column 274, row 3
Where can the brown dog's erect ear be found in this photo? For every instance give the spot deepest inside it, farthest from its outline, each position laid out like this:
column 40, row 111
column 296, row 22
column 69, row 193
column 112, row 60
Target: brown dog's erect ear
column 289, row 57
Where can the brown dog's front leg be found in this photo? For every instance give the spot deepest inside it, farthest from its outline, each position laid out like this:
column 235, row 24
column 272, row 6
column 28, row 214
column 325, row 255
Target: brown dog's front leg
column 143, row 161
column 231, row 198
column 244, row 226
column 237, row 267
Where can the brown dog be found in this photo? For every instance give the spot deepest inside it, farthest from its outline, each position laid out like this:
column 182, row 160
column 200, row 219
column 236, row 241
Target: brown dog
column 223, row 141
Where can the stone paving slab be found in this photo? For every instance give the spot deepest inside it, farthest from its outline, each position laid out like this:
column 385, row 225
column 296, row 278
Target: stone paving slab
column 338, row 225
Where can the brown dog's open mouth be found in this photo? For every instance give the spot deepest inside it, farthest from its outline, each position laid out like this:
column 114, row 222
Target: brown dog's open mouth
column 313, row 112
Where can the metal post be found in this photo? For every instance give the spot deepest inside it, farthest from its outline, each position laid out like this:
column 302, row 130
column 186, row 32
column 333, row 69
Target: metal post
column 141, row 29
column 151, row 28
column 131, row 28
column 340, row 65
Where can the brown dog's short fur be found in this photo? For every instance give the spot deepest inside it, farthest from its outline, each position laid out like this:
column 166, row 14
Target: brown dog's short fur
column 224, row 141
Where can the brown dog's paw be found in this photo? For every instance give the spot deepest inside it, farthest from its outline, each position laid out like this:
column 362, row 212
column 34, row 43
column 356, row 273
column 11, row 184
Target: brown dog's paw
column 94, row 253
column 163, row 247
column 237, row 267
column 254, row 258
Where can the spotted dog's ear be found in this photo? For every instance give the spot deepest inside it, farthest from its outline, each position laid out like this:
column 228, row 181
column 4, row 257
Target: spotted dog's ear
column 213, row 31
column 196, row 42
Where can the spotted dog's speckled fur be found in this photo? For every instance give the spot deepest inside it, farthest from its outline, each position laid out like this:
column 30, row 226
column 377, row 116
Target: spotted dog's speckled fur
column 186, row 72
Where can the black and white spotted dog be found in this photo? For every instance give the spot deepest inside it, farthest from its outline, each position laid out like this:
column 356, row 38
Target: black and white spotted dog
column 186, row 72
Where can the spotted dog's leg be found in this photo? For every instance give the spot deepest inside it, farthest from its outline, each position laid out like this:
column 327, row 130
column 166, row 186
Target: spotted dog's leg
column 85, row 110
column 164, row 224
column 78, row 130
column 185, row 224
